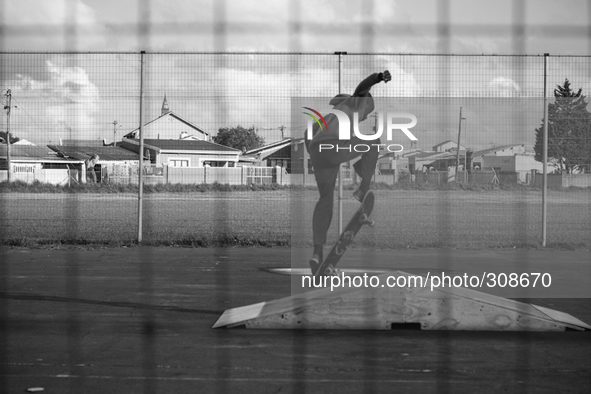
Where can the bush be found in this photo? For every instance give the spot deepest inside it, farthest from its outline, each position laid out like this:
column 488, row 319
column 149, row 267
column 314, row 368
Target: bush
column 106, row 188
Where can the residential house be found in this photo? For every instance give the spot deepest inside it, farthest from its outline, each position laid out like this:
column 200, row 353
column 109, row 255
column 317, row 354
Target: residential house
column 509, row 158
column 398, row 161
column 184, row 153
column 87, row 143
column 479, row 161
column 439, row 161
column 276, row 154
column 30, row 163
column 114, row 163
column 170, row 126
column 448, row 146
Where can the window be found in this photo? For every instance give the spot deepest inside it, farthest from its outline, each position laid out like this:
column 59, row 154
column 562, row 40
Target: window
column 212, row 163
column 23, row 168
column 178, row 162
column 54, row 166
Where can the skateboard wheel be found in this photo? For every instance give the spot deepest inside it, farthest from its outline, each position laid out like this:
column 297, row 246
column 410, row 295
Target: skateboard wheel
column 364, row 219
column 348, row 236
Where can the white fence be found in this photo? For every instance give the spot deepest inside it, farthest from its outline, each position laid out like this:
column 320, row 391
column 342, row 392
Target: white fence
column 127, row 173
column 29, row 174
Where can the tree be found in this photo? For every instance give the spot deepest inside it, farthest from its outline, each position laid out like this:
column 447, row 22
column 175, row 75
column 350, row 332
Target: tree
column 569, row 131
column 239, row 138
column 13, row 139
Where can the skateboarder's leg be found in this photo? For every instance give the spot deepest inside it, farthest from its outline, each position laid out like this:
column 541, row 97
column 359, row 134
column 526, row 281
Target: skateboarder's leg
column 325, row 179
column 365, row 167
column 349, row 150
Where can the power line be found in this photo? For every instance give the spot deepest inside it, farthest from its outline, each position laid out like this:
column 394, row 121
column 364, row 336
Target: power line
column 19, row 106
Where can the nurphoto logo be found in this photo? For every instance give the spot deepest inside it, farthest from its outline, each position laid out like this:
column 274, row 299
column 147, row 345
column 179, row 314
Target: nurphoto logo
column 345, row 129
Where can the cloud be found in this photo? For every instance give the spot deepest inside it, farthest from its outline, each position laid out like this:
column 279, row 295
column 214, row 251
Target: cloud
column 382, row 12
column 503, row 87
column 45, row 25
column 67, row 99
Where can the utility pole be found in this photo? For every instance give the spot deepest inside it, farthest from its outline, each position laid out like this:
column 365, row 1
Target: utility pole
column 281, row 128
column 140, row 208
column 7, row 107
column 340, row 176
column 458, row 150
column 545, row 156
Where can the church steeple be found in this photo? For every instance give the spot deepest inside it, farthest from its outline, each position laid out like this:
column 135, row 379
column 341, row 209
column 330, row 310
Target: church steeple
column 165, row 108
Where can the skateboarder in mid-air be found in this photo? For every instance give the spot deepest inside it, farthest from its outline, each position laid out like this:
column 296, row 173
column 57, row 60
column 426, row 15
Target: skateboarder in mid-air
column 326, row 161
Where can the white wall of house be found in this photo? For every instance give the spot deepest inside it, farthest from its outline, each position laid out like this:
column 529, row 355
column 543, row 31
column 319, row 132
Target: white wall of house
column 522, row 164
column 30, row 172
column 527, row 163
column 518, row 163
column 500, row 163
column 514, row 150
column 195, row 159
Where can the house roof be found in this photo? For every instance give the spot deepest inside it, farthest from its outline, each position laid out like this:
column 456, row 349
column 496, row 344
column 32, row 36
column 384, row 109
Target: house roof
column 405, row 154
column 445, row 142
column 484, row 152
column 105, row 153
column 172, row 114
column 454, row 147
column 432, row 155
column 272, row 145
column 181, row 145
column 73, row 142
column 269, row 149
column 30, row 152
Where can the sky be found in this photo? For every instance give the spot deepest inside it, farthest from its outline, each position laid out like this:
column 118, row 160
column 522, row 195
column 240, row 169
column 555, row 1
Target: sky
column 482, row 26
column 60, row 95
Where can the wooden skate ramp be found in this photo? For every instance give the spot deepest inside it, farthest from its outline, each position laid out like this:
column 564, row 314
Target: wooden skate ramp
column 380, row 308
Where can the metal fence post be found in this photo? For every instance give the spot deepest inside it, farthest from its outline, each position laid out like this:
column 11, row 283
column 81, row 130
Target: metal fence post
column 141, row 153
column 545, row 156
column 340, row 194
column 7, row 107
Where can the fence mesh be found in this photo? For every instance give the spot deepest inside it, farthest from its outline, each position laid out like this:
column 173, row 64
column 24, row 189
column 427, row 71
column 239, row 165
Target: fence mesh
column 71, row 106
column 62, row 108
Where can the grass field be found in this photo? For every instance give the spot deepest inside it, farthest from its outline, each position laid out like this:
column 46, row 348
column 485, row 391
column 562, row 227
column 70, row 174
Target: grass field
column 404, row 218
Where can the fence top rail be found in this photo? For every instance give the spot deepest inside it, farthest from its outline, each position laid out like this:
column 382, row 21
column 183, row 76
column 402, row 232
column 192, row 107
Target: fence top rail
column 267, row 53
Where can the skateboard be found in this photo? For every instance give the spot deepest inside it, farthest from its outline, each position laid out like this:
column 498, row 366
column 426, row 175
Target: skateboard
column 360, row 218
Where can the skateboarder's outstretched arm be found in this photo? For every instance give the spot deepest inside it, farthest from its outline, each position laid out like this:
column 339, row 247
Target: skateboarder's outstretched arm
column 364, row 87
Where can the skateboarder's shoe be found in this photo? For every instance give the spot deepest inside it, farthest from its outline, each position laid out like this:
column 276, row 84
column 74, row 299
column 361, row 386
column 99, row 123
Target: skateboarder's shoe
column 315, row 263
column 359, row 195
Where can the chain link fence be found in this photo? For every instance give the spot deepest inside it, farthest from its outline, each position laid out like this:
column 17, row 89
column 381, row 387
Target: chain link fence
column 471, row 180
column 65, row 108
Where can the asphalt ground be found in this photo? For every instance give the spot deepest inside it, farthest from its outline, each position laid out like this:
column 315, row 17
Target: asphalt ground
column 138, row 320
